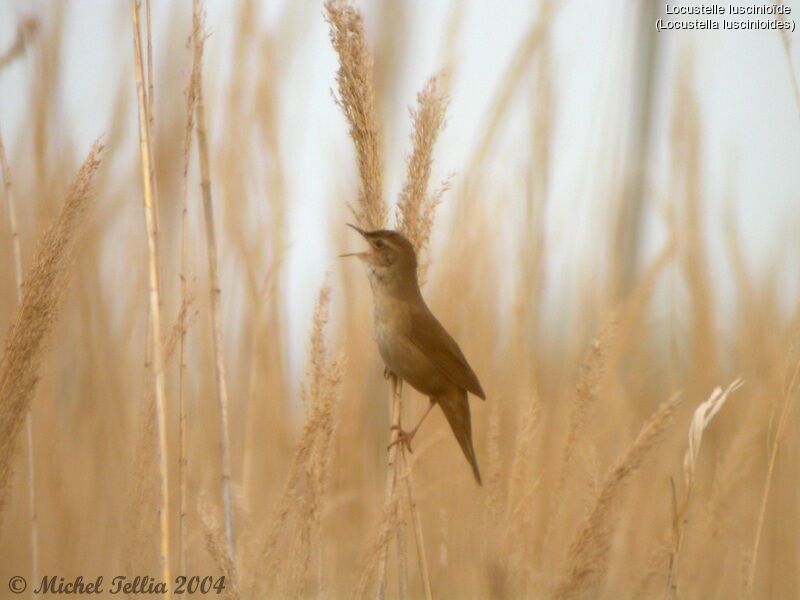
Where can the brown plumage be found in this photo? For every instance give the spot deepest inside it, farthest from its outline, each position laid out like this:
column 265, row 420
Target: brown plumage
column 412, row 342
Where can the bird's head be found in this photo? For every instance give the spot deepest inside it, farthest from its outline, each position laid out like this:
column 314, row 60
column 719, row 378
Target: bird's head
column 390, row 259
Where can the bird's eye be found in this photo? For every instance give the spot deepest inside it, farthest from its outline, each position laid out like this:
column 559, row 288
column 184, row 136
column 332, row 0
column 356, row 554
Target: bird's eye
column 379, row 244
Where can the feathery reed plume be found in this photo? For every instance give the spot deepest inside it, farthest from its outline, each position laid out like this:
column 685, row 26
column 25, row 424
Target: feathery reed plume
column 590, row 378
column 587, row 557
column 30, row 460
column 157, row 366
column 217, row 547
column 191, row 99
column 700, row 421
column 299, row 509
column 43, row 290
column 198, row 40
column 356, row 98
column 416, row 207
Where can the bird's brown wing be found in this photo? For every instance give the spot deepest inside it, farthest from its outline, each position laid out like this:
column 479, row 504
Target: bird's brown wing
column 428, row 335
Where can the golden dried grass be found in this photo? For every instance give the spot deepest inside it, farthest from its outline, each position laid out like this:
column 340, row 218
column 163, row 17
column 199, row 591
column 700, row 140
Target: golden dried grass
column 91, row 387
column 588, row 554
column 356, row 98
column 44, row 289
column 417, row 205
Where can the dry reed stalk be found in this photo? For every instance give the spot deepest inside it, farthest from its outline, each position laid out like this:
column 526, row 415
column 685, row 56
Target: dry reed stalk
column 235, row 165
column 356, row 98
column 43, row 291
column 149, row 203
column 533, row 246
column 447, row 49
column 415, row 212
column 790, row 394
column 402, row 550
column 216, row 544
column 141, row 503
column 213, row 276
column 687, row 158
column 419, row 538
column 267, row 373
column 26, row 30
column 323, row 400
column 700, row 421
column 12, row 218
column 29, row 456
column 532, row 42
column 416, row 207
column 787, row 50
column 587, row 557
column 390, row 487
column 148, row 75
column 191, row 99
column 300, row 506
column 389, row 525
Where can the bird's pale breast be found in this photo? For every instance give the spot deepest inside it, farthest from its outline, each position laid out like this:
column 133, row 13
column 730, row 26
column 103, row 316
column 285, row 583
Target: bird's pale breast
column 398, row 352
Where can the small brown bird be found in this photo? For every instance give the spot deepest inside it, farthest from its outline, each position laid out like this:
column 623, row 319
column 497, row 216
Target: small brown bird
column 413, row 344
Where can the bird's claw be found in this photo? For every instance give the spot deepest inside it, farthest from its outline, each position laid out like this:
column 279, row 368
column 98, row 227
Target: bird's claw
column 387, row 373
column 403, row 437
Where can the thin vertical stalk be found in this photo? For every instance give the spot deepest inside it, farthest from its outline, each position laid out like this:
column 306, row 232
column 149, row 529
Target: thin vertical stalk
column 787, row 50
column 12, row 221
column 391, row 477
column 788, row 403
column 402, row 552
column 211, row 244
column 191, row 96
column 154, row 296
column 150, row 103
column 419, row 540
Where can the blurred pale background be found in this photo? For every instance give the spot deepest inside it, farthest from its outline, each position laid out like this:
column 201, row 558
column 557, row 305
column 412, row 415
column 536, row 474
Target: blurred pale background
column 587, row 171
column 751, row 133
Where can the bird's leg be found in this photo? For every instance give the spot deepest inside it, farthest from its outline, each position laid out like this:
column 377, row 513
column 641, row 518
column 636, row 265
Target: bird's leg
column 387, row 373
column 405, row 437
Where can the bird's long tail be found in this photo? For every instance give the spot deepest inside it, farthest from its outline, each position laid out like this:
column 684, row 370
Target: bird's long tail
column 456, row 408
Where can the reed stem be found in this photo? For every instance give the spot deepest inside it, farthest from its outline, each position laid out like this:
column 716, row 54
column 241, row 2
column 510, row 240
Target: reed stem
column 215, row 291
column 154, row 295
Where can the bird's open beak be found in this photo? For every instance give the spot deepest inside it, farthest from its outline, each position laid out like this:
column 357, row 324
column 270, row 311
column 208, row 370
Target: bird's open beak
column 358, row 229
column 360, row 255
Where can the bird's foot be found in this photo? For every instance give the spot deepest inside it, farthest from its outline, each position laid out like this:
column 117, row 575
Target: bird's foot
column 403, row 437
column 387, row 373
